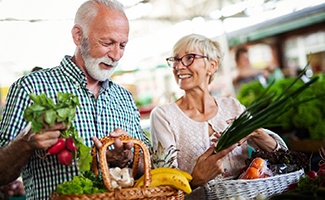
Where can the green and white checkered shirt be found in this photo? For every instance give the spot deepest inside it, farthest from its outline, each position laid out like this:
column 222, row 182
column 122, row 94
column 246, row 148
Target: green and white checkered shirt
column 114, row 108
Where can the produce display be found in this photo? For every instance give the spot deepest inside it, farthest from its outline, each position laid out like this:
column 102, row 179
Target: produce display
column 282, row 161
column 311, row 186
column 263, row 164
column 256, row 169
column 103, row 181
column 44, row 112
column 86, row 183
column 307, row 119
column 265, row 109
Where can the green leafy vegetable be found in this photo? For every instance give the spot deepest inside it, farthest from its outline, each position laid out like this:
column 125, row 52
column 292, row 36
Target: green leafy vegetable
column 44, row 110
column 63, row 111
column 307, row 120
column 83, row 184
column 264, row 110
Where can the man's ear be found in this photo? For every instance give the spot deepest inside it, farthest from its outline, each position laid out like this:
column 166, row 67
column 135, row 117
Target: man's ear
column 77, row 34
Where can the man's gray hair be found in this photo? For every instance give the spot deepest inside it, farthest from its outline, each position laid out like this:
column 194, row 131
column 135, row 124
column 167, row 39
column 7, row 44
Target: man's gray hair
column 88, row 10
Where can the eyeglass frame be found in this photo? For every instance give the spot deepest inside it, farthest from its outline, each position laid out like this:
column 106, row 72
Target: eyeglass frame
column 181, row 59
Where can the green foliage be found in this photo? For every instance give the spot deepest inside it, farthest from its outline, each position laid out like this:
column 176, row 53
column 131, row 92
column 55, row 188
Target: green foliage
column 266, row 108
column 44, row 110
column 249, row 92
column 83, row 151
column 83, row 184
column 308, row 115
column 306, row 188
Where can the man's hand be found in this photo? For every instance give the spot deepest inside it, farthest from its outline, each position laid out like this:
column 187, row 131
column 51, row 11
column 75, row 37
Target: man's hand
column 121, row 154
column 44, row 140
column 15, row 188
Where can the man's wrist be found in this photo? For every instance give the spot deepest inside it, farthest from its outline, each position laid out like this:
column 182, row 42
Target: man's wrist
column 121, row 164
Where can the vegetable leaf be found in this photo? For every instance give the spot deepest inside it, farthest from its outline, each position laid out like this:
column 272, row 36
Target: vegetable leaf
column 45, row 111
column 262, row 112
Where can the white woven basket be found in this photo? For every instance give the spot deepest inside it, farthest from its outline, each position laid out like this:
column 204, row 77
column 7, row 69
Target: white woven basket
column 218, row 189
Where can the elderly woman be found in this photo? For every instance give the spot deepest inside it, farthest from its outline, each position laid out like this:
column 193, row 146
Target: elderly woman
column 193, row 123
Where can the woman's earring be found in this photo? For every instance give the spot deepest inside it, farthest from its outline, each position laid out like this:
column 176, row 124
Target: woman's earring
column 209, row 73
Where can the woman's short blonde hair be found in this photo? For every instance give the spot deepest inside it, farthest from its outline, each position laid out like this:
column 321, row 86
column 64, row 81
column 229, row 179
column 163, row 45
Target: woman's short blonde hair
column 195, row 42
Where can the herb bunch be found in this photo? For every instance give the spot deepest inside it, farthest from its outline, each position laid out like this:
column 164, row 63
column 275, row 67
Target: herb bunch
column 261, row 113
column 45, row 111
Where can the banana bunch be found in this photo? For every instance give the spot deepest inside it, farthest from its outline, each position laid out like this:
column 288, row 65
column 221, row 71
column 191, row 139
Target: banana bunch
column 168, row 176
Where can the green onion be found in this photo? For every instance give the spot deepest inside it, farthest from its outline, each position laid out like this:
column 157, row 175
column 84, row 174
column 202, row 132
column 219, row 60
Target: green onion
column 263, row 111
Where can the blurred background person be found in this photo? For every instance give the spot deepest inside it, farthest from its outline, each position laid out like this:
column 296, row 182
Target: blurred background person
column 245, row 72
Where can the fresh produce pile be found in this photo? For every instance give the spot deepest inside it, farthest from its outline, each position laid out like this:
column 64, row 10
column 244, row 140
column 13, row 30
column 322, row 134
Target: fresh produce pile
column 307, row 120
column 311, row 186
column 86, row 183
column 162, row 174
column 69, row 146
column 282, row 161
column 256, row 169
column 265, row 109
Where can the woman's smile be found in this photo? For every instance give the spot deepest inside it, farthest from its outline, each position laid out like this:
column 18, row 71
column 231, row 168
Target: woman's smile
column 184, row 76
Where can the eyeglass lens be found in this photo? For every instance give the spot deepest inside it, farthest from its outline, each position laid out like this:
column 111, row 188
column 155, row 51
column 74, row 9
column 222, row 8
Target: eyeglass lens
column 186, row 60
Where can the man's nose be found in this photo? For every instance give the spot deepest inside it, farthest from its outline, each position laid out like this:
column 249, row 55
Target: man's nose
column 116, row 53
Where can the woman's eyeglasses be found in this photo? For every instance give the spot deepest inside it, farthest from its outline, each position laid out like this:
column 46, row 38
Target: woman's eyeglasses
column 186, row 60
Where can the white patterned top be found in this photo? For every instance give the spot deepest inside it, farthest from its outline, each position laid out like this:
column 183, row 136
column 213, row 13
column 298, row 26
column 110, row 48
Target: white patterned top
column 170, row 126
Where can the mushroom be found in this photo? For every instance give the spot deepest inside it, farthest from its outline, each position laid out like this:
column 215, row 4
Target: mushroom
column 121, row 177
column 126, row 179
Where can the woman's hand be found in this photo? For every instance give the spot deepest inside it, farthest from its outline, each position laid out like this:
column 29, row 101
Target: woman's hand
column 208, row 166
column 254, row 134
column 262, row 140
column 121, row 154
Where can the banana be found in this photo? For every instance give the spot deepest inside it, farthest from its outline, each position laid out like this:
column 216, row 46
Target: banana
column 187, row 175
column 176, row 180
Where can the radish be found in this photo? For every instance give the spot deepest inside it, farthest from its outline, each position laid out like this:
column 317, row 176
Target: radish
column 312, row 174
column 70, row 144
column 56, row 148
column 65, row 157
column 321, row 172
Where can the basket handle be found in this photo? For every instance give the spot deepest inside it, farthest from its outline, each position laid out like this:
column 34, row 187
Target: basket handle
column 106, row 142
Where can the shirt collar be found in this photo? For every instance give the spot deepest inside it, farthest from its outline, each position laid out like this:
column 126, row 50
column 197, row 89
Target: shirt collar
column 77, row 75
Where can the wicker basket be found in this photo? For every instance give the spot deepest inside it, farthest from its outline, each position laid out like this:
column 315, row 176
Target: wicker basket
column 144, row 192
column 250, row 189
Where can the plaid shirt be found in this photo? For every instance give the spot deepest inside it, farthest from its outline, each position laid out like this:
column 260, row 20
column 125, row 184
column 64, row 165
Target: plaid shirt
column 114, row 108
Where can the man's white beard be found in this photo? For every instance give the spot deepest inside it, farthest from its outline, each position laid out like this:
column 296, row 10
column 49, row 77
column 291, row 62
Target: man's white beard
column 92, row 64
column 94, row 70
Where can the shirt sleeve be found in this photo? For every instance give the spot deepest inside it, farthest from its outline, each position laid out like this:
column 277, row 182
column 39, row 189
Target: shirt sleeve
column 13, row 121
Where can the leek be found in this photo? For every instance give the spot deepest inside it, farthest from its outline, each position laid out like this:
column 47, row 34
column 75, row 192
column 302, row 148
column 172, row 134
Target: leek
column 262, row 113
